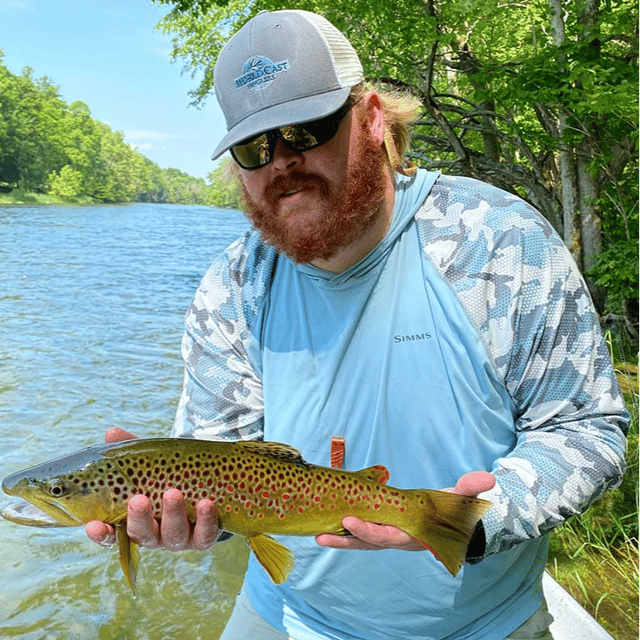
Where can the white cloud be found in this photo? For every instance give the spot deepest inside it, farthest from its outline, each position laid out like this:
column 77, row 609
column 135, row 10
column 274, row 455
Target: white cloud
column 143, row 134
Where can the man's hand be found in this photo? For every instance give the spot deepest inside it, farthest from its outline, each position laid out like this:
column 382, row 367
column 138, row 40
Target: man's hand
column 173, row 532
column 370, row 536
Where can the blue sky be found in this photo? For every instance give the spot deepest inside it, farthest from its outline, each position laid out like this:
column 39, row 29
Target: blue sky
column 107, row 54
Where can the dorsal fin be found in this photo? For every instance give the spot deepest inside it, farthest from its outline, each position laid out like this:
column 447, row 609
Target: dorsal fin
column 275, row 450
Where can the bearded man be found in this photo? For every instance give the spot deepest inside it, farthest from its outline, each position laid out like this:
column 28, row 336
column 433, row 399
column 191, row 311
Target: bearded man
column 379, row 314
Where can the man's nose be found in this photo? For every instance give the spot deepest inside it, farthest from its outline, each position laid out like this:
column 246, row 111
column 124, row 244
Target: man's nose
column 284, row 157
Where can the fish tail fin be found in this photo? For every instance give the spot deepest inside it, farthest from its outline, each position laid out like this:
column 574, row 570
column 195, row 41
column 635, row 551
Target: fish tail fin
column 447, row 524
column 274, row 557
column 129, row 554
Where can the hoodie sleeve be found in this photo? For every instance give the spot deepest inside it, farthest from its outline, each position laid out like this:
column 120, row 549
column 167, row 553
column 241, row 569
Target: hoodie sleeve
column 531, row 307
column 222, row 391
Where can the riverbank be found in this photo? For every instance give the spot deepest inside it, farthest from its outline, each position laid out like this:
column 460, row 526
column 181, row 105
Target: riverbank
column 18, row 196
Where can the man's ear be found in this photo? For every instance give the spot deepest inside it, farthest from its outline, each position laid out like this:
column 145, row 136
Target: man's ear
column 375, row 116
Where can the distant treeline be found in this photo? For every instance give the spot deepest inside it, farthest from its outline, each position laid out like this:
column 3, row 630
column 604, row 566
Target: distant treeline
column 49, row 146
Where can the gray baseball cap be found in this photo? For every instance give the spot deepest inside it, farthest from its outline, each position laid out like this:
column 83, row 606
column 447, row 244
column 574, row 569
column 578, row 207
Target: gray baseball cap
column 282, row 67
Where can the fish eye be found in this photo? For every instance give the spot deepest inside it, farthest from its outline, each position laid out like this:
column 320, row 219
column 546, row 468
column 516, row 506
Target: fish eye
column 57, row 490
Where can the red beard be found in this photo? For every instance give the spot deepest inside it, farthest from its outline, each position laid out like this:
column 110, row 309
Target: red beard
column 348, row 210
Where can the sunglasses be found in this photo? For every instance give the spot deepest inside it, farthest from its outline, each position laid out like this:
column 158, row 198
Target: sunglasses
column 257, row 152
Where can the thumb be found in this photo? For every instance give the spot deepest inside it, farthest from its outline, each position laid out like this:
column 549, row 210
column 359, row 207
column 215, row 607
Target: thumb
column 474, row 482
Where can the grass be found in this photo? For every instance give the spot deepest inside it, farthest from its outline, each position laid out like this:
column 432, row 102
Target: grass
column 19, row 196
column 595, row 556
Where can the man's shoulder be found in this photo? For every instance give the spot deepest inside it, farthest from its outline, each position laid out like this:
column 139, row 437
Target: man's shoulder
column 238, row 278
column 464, row 210
column 245, row 262
column 453, row 197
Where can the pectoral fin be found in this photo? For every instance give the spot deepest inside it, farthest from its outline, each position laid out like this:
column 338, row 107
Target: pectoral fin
column 276, row 559
column 129, row 554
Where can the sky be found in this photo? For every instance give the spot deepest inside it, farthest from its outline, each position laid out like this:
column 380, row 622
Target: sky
column 107, row 54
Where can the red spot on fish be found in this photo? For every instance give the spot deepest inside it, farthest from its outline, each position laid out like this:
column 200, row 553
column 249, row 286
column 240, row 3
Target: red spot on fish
column 401, row 509
column 352, row 502
column 228, row 507
column 316, row 498
column 376, row 506
column 260, row 516
column 230, row 488
column 265, row 494
column 247, row 504
column 300, row 509
column 285, row 496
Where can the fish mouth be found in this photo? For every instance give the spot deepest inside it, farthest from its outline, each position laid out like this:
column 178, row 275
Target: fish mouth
column 41, row 511
column 58, row 511
column 27, row 514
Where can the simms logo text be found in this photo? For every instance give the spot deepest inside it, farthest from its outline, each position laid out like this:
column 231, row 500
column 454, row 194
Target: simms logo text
column 412, row 338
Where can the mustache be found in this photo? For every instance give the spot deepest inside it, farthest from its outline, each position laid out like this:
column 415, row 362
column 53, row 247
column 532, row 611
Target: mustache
column 294, row 180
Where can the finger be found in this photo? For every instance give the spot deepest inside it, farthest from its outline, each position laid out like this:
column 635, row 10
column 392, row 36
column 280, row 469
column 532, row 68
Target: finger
column 380, row 535
column 101, row 533
column 174, row 526
column 474, row 482
column 344, row 542
column 118, row 435
column 142, row 527
column 206, row 530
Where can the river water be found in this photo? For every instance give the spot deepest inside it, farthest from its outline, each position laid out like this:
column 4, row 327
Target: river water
column 92, row 301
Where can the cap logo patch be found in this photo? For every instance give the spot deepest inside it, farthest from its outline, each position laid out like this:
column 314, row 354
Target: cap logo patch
column 259, row 72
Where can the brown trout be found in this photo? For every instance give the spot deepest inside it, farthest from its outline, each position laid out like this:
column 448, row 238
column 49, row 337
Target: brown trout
column 259, row 488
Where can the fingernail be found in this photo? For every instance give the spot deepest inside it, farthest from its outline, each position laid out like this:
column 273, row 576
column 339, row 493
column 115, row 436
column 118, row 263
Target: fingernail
column 206, row 509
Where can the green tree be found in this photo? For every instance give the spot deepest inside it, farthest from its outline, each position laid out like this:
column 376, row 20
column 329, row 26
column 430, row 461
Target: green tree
column 31, row 119
column 224, row 190
column 68, row 182
column 538, row 98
